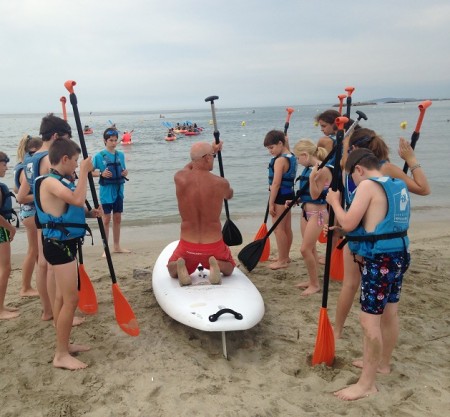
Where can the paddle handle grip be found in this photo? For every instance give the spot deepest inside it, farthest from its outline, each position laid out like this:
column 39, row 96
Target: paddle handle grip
column 214, row 317
column 416, row 134
column 341, row 102
column 289, row 110
column 349, row 100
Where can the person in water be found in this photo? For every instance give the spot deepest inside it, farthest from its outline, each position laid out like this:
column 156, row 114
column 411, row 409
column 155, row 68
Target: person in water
column 200, row 196
column 61, row 213
column 7, row 233
column 376, row 227
column 109, row 165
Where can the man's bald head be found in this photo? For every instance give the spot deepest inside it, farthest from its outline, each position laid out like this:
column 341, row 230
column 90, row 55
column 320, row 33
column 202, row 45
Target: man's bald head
column 200, row 149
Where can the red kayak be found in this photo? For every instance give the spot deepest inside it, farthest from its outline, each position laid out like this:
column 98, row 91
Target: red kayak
column 88, row 131
column 191, row 133
column 170, row 138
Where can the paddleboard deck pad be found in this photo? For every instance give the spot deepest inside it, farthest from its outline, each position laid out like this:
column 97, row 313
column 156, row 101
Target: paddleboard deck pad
column 235, row 304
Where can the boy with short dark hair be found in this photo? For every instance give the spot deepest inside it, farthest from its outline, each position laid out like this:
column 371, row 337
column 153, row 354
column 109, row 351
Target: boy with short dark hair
column 110, row 167
column 376, row 225
column 61, row 213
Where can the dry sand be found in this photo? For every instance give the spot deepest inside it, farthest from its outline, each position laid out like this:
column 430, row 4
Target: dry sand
column 172, row 370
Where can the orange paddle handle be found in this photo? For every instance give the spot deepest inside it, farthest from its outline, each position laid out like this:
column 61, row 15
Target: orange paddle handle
column 63, row 103
column 289, row 110
column 422, row 108
column 69, row 85
column 349, row 90
column 341, row 101
column 340, row 122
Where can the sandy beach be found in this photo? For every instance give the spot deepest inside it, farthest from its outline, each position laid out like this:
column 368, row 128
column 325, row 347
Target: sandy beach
column 172, row 370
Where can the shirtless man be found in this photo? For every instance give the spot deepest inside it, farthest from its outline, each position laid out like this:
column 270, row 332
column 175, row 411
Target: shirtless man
column 200, row 196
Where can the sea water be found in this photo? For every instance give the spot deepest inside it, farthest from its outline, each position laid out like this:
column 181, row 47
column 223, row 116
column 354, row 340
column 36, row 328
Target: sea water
column 152, row 161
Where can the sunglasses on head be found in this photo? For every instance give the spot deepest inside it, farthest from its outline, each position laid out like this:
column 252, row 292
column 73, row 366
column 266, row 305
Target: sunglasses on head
column 110, row 133
column 5, row 160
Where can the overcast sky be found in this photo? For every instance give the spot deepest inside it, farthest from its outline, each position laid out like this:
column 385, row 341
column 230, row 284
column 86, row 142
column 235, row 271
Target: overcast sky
column 171, row 54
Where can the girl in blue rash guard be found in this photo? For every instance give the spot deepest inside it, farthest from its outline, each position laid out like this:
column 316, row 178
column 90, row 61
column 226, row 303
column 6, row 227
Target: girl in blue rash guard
column 417, row 183
column 314, row 207
column 282, row 172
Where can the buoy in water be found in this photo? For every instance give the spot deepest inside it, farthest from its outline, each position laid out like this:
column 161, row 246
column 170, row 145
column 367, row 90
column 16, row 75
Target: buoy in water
column 403, row 125
column 243, row 123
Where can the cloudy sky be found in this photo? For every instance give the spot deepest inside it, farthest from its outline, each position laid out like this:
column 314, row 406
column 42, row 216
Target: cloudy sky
column 171, row 54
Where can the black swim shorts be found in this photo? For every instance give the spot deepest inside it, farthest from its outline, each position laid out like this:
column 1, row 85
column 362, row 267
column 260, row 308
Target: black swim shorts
column 59, row 252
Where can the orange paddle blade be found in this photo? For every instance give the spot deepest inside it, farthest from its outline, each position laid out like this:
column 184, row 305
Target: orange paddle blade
column 337, row 264
column 322, row 237
column 87, row 299
column 324, row 350
column 124, row 314
column 262, row 232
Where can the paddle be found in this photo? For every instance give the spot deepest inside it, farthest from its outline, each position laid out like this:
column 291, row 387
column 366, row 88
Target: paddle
column 124, row 314
column 63, row 103
column 263, row 229
column 250, row 254
column 87, row 299
column 231, row 234
column 337, row 256
column 324, row 350
column 415, row 136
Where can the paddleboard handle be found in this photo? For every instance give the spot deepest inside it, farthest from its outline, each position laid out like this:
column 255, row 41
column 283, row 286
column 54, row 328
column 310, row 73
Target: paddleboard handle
column 215, row 316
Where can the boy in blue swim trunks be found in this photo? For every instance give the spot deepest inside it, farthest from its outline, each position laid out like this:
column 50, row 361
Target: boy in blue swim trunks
column 376, row 225
column 7, row 232
column 109, row 165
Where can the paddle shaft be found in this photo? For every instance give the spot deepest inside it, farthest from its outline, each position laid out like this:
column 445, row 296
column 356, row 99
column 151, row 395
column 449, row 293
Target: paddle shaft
column 76, row 113
column 219, row 153
column 415, row 136
column 331, row 217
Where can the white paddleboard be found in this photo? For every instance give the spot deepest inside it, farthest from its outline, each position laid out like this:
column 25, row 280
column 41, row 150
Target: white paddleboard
column 193, row 305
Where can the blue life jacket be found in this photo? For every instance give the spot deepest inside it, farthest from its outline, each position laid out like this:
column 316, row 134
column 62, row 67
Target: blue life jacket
column 304, row 192
column 390, row 235
column 70, row 225
column 32, row 163
column 17, row 171
column 6, row 209
column 288, row 178
column 349, row 189
column 115, row 167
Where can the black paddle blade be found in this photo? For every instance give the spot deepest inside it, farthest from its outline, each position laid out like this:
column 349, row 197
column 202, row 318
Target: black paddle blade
column 231, row 234
column 250, row 254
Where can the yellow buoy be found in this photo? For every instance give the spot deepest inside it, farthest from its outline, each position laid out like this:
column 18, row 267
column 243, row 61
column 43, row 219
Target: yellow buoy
column 243, row 123
column 403, row 125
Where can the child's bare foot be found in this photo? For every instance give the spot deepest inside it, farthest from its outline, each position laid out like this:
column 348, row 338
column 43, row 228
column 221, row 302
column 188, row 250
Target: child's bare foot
column 46, row 316
column 78, row 320
column 337, row 333
column 30, row 292
column 279, row 265
column 214, row 271
column 121, row 250
column 183, row 277
column 12, row 309
column 312, row 289
column 6, row 314
column 289, row 260
column 302, row 284
column 355, row 392
column 73, row 348
column 66, row 361
column 385, row 370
